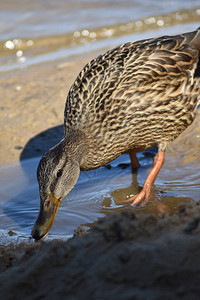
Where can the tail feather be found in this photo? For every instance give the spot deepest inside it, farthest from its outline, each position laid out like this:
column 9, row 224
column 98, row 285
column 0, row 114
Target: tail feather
column 195, row 42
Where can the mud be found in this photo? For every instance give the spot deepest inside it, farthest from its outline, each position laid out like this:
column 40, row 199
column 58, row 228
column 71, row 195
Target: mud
column 125, row 256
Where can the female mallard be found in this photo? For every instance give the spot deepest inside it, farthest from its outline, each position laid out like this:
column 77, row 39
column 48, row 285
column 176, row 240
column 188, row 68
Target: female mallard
column 131, row 98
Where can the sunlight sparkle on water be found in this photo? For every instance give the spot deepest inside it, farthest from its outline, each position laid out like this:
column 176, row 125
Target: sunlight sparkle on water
column 92, row 35
column 85, row 32
column 198, row 11
column 29, row 43
column 160, row 23
column 76, row 34
column 19, row 53
column 22, row 59
column 150, row 20
column 9, row 45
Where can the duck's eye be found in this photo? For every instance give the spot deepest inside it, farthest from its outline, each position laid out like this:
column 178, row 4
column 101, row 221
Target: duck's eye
column 59, row 173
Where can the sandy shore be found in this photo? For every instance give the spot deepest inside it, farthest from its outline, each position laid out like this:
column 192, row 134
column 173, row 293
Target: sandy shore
column 125, row 256
column 32, row 100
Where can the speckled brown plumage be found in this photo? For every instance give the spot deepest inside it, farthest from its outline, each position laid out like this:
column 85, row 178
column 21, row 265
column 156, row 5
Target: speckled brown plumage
column 135, row 96
column 129, row 99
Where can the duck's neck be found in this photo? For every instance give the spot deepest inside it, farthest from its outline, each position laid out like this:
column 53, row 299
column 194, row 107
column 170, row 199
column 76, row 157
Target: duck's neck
column 76, row 141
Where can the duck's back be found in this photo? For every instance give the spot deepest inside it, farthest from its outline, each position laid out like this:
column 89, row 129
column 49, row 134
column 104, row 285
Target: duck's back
column 136, row 96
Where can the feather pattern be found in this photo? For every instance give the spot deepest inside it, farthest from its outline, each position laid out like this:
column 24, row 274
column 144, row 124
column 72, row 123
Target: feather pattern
column 135, row 96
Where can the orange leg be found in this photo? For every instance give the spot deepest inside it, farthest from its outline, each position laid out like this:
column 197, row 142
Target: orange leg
column 143, row 196
column 134, row 162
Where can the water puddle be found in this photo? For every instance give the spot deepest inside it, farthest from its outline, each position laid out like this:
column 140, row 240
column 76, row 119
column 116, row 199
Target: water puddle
column 98, row 192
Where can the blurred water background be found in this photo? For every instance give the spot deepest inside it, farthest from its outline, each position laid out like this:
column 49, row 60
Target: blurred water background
column 32, row 32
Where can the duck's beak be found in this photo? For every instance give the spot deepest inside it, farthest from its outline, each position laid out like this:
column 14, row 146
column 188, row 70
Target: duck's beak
column 45, row 218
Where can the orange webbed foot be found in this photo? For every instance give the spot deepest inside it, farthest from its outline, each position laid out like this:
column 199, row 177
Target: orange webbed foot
column 143, row 196
column 139, row 199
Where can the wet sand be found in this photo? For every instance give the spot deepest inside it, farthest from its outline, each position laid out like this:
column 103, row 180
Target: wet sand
column 125, row 256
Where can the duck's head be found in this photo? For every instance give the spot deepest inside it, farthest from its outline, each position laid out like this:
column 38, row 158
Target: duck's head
column 57, row 173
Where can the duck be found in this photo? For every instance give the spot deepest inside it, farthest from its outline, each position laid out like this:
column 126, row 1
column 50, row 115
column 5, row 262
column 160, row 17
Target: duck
column 129, row 99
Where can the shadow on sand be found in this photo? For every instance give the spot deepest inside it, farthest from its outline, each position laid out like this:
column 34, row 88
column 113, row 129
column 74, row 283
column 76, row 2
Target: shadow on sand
column 42, row 142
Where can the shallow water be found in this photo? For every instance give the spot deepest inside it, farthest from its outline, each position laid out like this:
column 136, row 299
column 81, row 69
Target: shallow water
column 98, row 192
column 40, row 34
